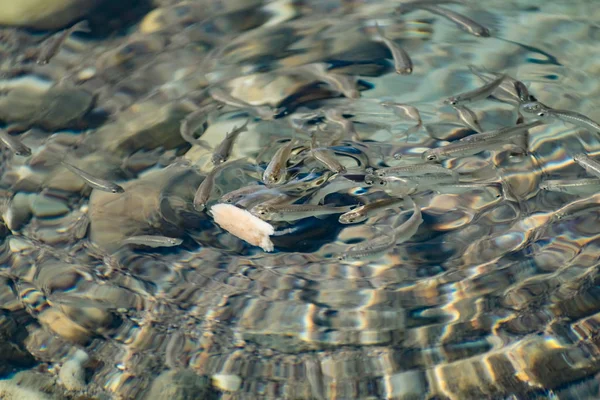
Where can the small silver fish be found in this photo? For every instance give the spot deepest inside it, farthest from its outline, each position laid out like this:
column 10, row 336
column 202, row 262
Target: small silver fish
column 363, row 212
column 463, row 22
column 373, row 248
column 14, row 144
column 570, row 186
column 193, row 122
column 464, row 149
column 392, row 185
column 152, row 241
column 276, row 170
column 408, row 229
column 502, row 132
column 223, row 150
column 219, row 94
column 335, row 115
column 266, row 196
column 402, row 62
column 590, row 165
column 414, row 170
column 50, row 49
column 235, row 195
column 294, row 212
column 480, row 93
column 412, row 5
column 403, row 110
column 346, row 84
column 506, row 92
column 343, row 83
column 326, row 157
column 571, row 117
column 468, row 117
column 204, row 191
column 460, row 188
column 93, row 181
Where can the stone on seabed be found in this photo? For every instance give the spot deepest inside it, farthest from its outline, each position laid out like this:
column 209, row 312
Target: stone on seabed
column 10, row 391
column 43, row 14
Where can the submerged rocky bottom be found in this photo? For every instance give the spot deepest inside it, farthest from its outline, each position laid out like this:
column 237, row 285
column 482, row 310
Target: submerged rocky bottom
column 473, row 275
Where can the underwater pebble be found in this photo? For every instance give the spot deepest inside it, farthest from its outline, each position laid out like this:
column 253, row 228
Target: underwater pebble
column 405, row 385
column 72, row 373
column 226, row 382
column 18, row 212
column 180, row 385
column 43, row 206
column 55, row 109
column 10, row 391
column 43, row 14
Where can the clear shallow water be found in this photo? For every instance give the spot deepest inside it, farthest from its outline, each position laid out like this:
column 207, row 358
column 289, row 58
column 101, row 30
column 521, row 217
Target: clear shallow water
column 493, row 297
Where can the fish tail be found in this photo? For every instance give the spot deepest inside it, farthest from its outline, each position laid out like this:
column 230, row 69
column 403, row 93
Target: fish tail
column 379, row 30
column 82, row 26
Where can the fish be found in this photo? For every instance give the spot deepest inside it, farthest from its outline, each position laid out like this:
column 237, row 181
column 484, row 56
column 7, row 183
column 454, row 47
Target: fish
column 468, row 117
column 369, row 249
column 223, row 150
column 590, row 165
column 294, row 212
column 192, row 122
column 505, row 92
column 480, row 93
column 327, row 158
column 402, row 62
column 346, row 84
column 571, row 117
column 570, row 186
column 267, row 196
column 464, row 149
column 276, row 170
column 395, row 186
column 235, row 195
column 412, row 5
column 463, row 22
column 204, row 191
column 361, row 213
column 407, row 230
column 152, row 241
column 501, row 132
column 460, row 188
column 414, row 170
column 338, row 184
column 14, row 144
column 343, row 83
column 403, row 111
column 335, row 115
column 93, row 181
column 54, row 43
column 220, row 95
